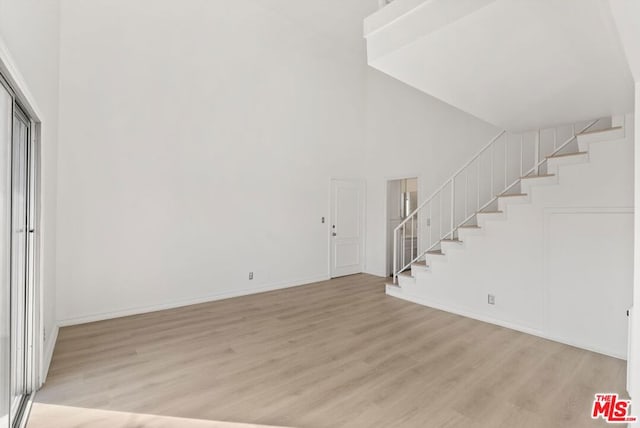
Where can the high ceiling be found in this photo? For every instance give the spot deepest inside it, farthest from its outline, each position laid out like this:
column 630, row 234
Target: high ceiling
column 518, row 64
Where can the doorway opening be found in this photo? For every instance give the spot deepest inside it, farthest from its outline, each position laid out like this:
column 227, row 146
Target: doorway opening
column 402, row 200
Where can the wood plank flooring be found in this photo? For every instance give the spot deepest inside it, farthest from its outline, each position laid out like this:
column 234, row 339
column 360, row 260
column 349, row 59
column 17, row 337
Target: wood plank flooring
column 337, row 353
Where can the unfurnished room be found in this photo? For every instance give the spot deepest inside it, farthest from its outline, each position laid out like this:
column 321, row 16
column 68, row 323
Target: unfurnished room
column 319, row 214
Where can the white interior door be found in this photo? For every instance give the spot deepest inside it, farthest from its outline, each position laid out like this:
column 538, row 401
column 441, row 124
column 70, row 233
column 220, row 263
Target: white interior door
column 347, row 227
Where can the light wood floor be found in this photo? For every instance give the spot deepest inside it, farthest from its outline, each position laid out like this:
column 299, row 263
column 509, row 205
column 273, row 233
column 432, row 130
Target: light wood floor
column 337, row 353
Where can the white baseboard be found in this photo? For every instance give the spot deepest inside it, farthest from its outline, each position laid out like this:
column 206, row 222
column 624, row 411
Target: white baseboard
column 186, row 302
column 398, row 293
column 375, row 272
column 49, row 346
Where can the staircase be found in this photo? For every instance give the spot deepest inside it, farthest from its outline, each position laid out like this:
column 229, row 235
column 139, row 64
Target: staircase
column 504, row 183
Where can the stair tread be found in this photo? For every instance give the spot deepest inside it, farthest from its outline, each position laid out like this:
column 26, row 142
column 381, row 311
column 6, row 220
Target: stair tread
column 615, row 128
column 511, row 195
column 456, row 241
column 566, row 155
column 537, row 176
column 471, row 226
column 491, row 212
column 420, row 263
column 436, row 252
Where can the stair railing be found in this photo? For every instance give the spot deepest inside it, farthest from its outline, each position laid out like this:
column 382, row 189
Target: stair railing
column 456, row 201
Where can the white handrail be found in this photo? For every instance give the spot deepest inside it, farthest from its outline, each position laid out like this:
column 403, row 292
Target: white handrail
column 455, row 174
column 400, row 231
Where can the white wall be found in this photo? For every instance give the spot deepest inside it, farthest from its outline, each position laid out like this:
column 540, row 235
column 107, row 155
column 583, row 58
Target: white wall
column 410, row 134
column 197, row 144
column 29, row 29
column 633, row 375
column 625, row 13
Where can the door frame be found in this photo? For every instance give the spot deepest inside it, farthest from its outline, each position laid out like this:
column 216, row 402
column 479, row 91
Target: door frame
column 363, row 228
column 12, row 79
column 29, row 305
column 387, row 240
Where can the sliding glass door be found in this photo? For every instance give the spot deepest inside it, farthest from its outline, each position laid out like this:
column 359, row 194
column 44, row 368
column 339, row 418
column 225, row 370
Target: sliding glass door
column 17, row 267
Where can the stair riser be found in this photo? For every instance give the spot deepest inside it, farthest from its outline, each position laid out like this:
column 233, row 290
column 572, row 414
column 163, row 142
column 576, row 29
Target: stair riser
column 415, row 270
column 404, row 281
column 617, row 121
column 448, row 247
column 390, row 288
column 606, row 136
column 503, row 203
column 422, row 273
column 484, row 218
column 530, row 183
column 434, row 259
column 436, row 264
column 554, row 164
column 466, row 233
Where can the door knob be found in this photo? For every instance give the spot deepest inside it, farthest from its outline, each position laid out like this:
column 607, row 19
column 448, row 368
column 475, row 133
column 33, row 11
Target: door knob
column 334, row 234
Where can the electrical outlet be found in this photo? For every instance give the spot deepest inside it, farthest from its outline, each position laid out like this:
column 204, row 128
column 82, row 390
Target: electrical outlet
column 250, row 275
column 428, row 222
column 322, row 220
column 491, row 299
